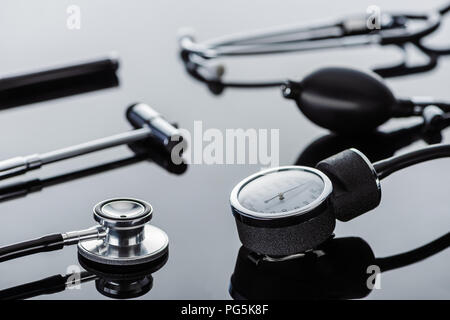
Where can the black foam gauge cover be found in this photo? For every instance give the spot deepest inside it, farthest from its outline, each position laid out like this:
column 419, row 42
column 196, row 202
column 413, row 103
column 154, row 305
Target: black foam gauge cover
column 356, row 187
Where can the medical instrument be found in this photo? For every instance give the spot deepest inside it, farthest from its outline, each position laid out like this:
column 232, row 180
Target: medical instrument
column 117, row 283
column 379, row 144
column 340, row 268
column 346, row 100
column 399, row 29
column 18, row 90
column 123, row 237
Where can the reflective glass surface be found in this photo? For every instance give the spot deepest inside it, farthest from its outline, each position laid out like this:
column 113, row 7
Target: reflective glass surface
column 193, row 207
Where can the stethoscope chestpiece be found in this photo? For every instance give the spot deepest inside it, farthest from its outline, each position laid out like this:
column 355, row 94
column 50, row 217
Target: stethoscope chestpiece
column 123, row 282
column 129, row 239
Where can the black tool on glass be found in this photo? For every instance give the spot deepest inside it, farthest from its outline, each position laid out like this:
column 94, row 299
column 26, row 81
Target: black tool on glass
column 288, row 210
column 59, row 82
column 116, row 283
column 148, row 124
column 346, row 100
column 340, row 268
column 398, row 29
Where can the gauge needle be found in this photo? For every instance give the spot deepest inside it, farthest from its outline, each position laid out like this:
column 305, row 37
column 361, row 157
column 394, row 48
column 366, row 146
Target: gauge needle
column 281, row 195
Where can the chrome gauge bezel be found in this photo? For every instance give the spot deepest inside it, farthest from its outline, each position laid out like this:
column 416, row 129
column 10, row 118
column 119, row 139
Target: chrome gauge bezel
column 241, row 210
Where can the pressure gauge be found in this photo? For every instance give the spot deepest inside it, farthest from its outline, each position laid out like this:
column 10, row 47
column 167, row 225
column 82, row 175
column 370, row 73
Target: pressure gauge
column 283, row 203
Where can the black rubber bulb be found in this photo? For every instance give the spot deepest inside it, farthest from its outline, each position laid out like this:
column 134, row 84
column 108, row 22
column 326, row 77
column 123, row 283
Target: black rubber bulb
column 343, row 100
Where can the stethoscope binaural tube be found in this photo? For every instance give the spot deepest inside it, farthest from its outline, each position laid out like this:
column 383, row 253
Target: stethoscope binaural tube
column 118, row 282
column 123, row 237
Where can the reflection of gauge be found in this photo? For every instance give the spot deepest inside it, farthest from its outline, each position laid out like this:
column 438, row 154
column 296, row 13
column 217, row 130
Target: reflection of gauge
column 286, row 202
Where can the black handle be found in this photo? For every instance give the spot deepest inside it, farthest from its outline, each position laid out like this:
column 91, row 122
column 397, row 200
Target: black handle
column 43, row 244
column 164, row 134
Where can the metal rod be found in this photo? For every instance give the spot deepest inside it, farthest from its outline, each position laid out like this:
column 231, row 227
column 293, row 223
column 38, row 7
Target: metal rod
column 20, row 165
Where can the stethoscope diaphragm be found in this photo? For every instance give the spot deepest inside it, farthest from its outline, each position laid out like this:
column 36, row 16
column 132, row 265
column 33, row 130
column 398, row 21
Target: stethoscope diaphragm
column 129, row 239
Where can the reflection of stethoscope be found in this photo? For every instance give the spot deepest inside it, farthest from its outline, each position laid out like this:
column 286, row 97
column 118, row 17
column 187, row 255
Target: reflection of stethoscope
column 143, row 150
column 149, row 125
column 338, row 269
column 394, row 29
column 118, row 283
column 123, row 237
column 296, row 220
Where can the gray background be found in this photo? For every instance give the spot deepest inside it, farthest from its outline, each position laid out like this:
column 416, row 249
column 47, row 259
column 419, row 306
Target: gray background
column 193, row 208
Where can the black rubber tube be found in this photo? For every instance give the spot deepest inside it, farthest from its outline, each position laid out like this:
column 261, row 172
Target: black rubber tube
column 388, row 166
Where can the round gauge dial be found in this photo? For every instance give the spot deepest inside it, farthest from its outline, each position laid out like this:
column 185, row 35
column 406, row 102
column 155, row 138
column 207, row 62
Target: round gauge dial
column 281, row 192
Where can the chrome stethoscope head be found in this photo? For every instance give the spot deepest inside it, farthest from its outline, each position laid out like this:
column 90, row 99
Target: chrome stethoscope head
column 126, row 237
column 122, row 238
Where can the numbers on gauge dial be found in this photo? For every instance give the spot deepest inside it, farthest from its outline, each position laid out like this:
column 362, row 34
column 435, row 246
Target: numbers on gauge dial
column 281, row 191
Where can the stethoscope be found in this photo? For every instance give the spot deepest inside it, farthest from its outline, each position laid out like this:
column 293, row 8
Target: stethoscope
column 289, row 210
column 395, row 29
column 18, row 90
column 116, row 283
column 149, row 125
column 122, row 238
column 338, row 269
column 142, row 151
